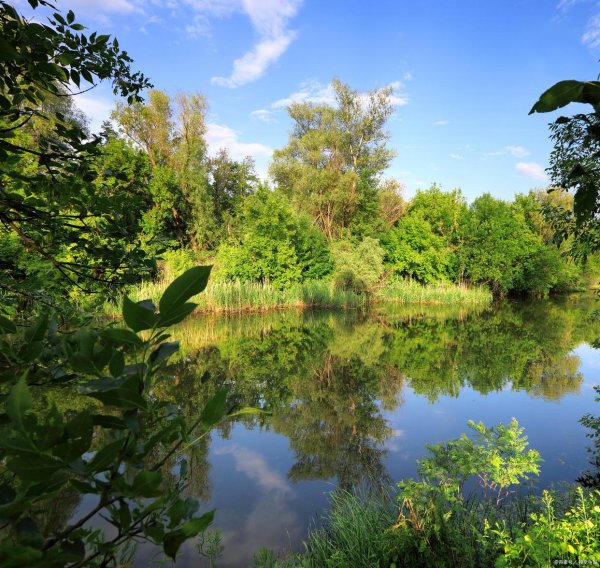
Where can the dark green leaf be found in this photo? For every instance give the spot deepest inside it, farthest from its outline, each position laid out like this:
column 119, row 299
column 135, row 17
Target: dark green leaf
column 190, row 283
column 18, row 402
column 176, row 315
column 7, row 326
column 559, row 95
column 147, row 483
column 122, row 336
column 105, row 458
column 117, row 364
column 38, row 330
column 215, row 408
column 190, row 529
column 163, row 352
column 34, row 468
column 137, row 316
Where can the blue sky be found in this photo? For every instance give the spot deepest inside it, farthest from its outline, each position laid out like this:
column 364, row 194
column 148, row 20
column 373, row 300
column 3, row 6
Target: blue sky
column 465, row 72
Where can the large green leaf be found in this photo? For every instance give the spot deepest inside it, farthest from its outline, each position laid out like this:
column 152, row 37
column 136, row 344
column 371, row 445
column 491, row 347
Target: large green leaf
column 176, row 314
column 190, row 283
column 34, row 468
column 215, row 408
column 122, row 336
column 566, row 92
column 137, row 316
column 19, row 401
column 190, row 529
column 7, row 326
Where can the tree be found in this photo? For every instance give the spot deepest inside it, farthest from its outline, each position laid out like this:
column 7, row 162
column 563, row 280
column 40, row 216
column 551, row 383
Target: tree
column 273, row 244
column 329, row 168
column 497, row 241
column 48, row 198
column 574, row 162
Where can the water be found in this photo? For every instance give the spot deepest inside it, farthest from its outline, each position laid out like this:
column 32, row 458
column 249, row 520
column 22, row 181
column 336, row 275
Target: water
column 355, row 398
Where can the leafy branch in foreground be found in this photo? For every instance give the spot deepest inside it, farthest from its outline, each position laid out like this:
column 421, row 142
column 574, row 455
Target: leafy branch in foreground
column 127, row 455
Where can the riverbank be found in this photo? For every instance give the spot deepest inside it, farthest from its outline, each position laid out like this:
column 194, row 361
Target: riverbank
column 240, row 297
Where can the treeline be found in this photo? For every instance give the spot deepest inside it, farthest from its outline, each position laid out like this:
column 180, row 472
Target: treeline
column 156, row 193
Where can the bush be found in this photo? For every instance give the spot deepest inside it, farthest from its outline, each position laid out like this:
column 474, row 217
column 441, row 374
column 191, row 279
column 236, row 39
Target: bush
column 357, row 267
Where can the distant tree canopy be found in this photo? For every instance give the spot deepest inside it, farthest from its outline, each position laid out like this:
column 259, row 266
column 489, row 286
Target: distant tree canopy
column 332, row 163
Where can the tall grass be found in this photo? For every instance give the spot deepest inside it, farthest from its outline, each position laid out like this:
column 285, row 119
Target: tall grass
column 232, row 297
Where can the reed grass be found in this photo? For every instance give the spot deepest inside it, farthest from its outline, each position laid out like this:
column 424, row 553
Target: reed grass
column 234, row 297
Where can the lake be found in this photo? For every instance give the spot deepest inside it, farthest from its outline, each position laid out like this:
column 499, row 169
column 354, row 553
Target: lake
column 355, row 398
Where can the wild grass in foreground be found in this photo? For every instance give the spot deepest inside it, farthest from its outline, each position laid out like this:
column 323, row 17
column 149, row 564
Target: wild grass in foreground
column 238, row 296
column 434, row 522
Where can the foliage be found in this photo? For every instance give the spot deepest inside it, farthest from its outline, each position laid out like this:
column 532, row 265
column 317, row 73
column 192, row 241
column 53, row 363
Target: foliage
column 330, row 166
column 48, row 197
column 122, row 454
column 573, row 537
column 357, row 267
column 415, row 251
column 591, row 478
column 574, row 160
column 273, row 244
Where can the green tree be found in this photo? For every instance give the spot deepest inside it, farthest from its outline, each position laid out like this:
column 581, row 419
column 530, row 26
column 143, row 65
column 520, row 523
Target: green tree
column 273, row 244
column 334, row 156
column 48, row 197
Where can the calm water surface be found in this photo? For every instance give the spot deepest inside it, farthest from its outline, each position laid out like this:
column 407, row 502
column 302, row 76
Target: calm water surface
column 356, row 397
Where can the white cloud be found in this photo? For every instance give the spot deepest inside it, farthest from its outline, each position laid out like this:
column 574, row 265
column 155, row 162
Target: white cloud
column 253, row 64
column 96, row 8
column 514, row 151
column 309, row 92
column 531, row 169
column 591, row 37
column 270, row 19
column 314, row 92
column 263, row 115
column 219, row 136
column 457, row 156
column 441, row 122
column 198, row 26
column 517, row 151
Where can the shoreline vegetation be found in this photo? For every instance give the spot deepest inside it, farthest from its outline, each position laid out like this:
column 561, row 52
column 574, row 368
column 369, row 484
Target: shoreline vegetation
column 245, row 297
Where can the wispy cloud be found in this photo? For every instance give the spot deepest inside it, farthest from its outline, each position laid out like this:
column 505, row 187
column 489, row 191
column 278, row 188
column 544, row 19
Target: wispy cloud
column 441, row 122
column 531, row 170
column 270, row 18
column 514, row 151
column 591, row 36
column 263, row 115
column 457, row 156
column 314, row 92
column 219, row 136
column 255, row 466
column 517, row 151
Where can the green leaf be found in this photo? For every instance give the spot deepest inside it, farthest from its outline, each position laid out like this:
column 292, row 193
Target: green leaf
column 147, row 484
column 215, row 408
column 38, row 330
column 34, row 468
column 174, row 539
column 116, row 364
column 19, row 401
column 190, row 283
column 126, row 397
column 138, row 317
column 7, row 326
column 163, row 352
column 565, row 92
column 176, row 315
column 105, row 457
column 122, row 336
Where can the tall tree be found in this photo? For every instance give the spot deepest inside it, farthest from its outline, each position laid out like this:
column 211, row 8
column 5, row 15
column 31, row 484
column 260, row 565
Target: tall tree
column 48, row 199
column 335, row 155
